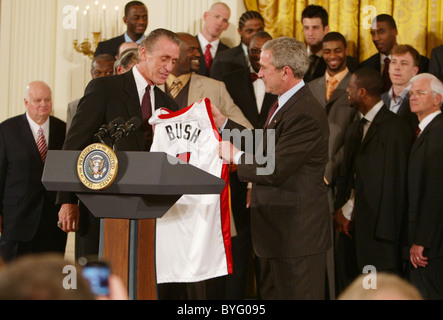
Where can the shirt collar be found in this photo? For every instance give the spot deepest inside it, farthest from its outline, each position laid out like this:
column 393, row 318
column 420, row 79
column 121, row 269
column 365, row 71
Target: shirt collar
column 35, row 127
column 288, row 94
column 204, row 42
column 423, row 124
column 128, row 38
column 339, row 76
column 373, row 112
column 141, row 83
column 402, row 95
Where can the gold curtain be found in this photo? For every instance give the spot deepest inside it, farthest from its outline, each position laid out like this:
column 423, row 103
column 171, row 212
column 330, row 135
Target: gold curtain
column 419, row 22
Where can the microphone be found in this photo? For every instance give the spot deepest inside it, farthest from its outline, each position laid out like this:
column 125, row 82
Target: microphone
column 125, row 129
column 108, row 129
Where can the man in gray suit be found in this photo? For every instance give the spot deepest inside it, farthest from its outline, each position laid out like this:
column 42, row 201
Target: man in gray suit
column 330, row 90
column 290, row 221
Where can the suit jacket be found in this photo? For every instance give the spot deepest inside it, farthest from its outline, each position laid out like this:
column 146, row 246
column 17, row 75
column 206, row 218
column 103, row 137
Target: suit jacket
column 204, row 87
column 72, row 109
column 320, row 68
column 228, row 60
column 110, row 46
column 239, row 85
column 404, row 111
column 105, row 99
column 289, row 206
column 380, row 169
column 424, row 185
column 203, row 70
column 436, row 62
column 24, row 200
column 340, row 115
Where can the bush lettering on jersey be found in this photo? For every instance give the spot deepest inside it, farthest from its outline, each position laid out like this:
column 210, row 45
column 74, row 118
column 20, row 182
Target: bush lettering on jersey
column 186, row 132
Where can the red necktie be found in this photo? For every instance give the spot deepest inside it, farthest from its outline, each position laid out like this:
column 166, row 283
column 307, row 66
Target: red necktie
column 147, row 113
column 208, row 57
column 41, row 145
column 254, row 76
column 271, row 112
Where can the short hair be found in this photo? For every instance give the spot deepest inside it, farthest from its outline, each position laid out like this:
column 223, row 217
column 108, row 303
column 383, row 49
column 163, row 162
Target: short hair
column 104, row 57
column 369, row 79
column 289, row 52
column 126, row 58
column 314, row 11
column 261, row 35
column 405, row 48
column 131, row 4
column 386, row 18
column 334, row 36
column 436, row 84
column 249, row 15
column 220, row 4
column 41, row 277
column 150, row 41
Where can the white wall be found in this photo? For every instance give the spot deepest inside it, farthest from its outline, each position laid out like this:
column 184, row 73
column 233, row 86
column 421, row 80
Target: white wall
column 34, row 45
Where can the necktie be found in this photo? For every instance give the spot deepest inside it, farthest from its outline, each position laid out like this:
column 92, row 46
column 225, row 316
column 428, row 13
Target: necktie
column 386, row 80
column 417, row 133
column 254, row 76
column 313, row 64
column 208, row 57
column 147, row 113
column 271, row 112
column 361, row 128
column 176, row 87
column 41, row 145
column 331, row 85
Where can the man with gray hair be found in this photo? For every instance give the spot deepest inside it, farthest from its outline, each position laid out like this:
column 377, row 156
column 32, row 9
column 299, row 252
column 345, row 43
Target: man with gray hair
column 425, row 174
column 290, row 220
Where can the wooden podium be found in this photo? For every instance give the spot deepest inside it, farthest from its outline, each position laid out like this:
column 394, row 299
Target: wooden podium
column 147, row 184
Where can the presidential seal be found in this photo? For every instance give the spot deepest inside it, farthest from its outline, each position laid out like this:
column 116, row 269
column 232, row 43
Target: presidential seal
column 97, row 166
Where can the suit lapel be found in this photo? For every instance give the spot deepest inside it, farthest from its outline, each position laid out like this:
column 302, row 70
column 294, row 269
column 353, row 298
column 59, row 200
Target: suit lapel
column 278, row 116
column 24, row 130
column 373, row 127
column 196, row 90
column 133, row 106
column 416, row 145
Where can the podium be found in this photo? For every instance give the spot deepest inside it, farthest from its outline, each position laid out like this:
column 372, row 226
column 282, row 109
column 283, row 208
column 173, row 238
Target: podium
column 146, row 185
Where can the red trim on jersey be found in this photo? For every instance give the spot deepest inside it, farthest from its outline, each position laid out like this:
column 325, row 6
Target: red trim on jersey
column 225, row 215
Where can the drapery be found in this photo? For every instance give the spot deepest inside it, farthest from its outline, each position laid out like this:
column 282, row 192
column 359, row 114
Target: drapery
column 419, row 22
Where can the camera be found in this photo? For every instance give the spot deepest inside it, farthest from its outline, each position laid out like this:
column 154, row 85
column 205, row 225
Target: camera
column 97, row 273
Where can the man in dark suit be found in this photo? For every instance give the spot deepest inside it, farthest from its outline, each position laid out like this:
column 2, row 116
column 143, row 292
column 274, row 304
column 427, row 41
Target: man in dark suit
column 424, row 179
column 249, row 23
column 330, row 91
column 136, row 19
column 216, row 20
column 315, row 20
column 28, row 214
column 248, row 92
column 403, row 66
column 384, row 36
column 290, row 221
column 436, row 62
column 107, row 98
column 371, row 190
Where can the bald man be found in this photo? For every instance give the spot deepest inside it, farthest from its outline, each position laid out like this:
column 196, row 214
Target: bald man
column 28, row 212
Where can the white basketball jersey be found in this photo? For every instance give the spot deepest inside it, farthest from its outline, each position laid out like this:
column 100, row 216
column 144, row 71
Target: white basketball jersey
column 193, row 239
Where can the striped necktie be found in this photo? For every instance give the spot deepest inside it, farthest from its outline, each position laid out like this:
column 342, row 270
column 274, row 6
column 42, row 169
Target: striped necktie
column 41, row 145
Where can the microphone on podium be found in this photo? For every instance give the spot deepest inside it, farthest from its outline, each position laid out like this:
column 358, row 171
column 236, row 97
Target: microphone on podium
column 108, row 129
column 125, row 129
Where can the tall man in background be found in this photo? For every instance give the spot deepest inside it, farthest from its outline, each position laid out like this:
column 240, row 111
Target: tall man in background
column 136, row 20
column 216, row 20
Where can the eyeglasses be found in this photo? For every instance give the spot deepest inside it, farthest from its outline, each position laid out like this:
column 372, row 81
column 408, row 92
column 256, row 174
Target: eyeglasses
column 418, row 93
